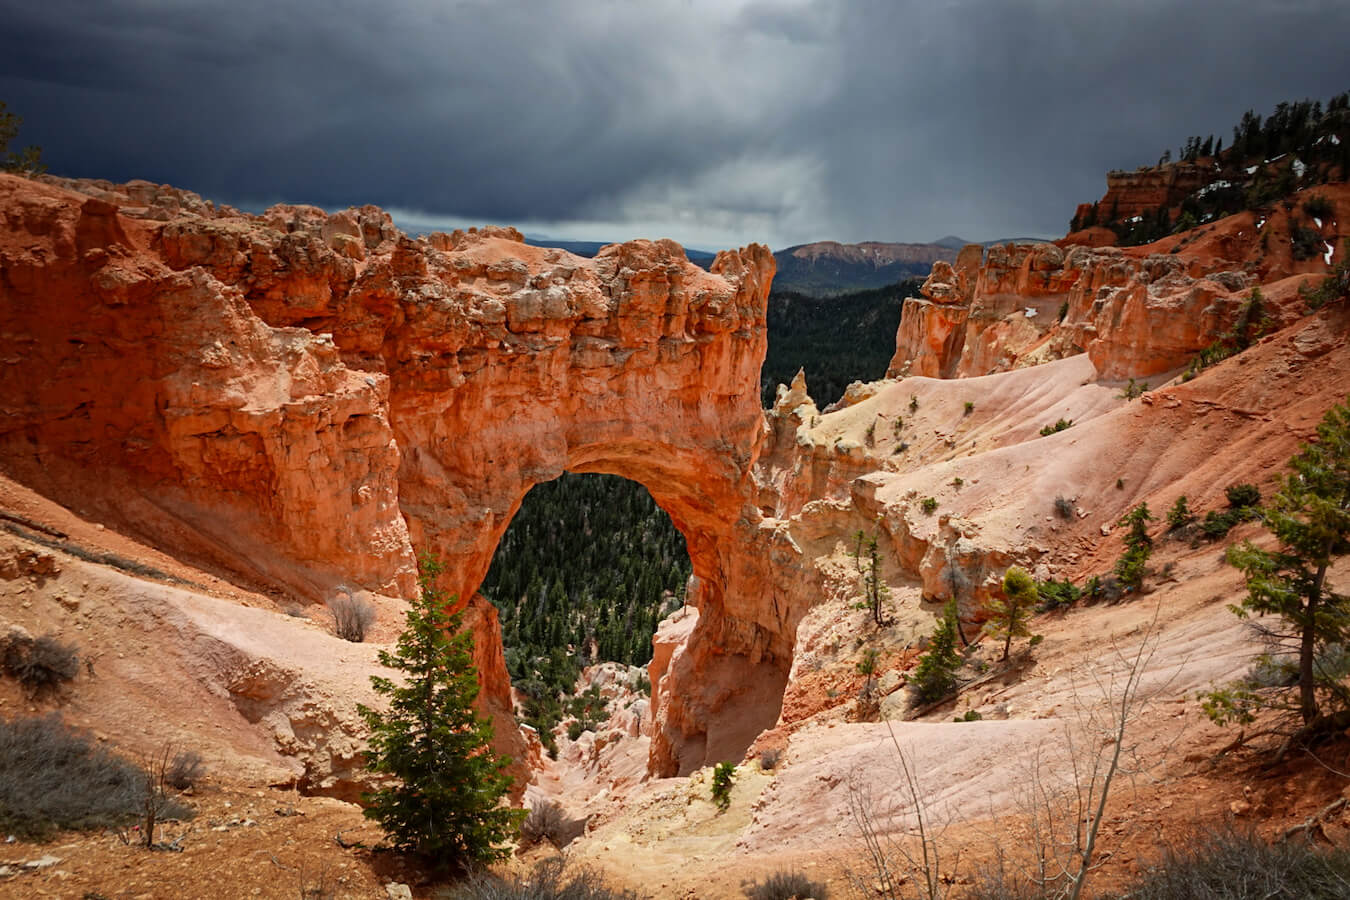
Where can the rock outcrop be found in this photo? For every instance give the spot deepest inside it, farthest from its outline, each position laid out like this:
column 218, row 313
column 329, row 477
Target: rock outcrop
column 1141, row 192
column 307, row 399
column 1137, row 312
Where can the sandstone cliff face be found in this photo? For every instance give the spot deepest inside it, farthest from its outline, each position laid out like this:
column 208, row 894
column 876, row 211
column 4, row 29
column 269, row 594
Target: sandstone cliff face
column 1137, row 312
column 1142, row 191
column 317, row 395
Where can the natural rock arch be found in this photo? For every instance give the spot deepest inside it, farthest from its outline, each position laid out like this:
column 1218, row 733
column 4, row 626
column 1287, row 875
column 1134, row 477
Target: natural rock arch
column 644, row 367
column 306, row 398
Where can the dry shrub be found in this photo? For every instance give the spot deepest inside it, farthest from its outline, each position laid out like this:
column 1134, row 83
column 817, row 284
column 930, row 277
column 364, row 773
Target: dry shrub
column 786, row 886
column 550, row 880
column 57, row 778
column 184, row 770
column 41, row 664
column 352, row 615
column 548, row 821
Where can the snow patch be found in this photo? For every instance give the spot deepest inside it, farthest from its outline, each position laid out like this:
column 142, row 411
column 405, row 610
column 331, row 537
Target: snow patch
column 1319, row 223
column 1135, row 219
column 1335, row 138
column 1251, row 169
column 1259, row 222
column 1326, row 257
column 1212, row 187
column 1030, row 312
column 1299, row 167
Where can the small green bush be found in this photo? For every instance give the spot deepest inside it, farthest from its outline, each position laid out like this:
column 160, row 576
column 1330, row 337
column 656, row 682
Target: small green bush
column 935, row 675
column 1056, row 594
column 786, row 886
column 929, row 505
column 1242, row 495
column 1059, row 426
column 723, row 775
column 971, row 715
column 1317, row 207
column 1217, row 524
column 1180, row 515
column 913, row 403
column 970, row 407
column 1305, row 243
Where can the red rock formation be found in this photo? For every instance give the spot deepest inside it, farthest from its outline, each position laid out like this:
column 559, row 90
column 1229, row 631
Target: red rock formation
column 1142, row 191
column 1137, row 311
column 317, row 395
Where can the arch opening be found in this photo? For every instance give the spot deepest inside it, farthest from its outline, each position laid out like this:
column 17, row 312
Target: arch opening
column 583, row 574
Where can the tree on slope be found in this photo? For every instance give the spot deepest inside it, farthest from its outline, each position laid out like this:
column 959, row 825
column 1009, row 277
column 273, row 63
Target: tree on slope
column 1310, row 516
column 935, row 675
column 446, row 804
column 1008, row 618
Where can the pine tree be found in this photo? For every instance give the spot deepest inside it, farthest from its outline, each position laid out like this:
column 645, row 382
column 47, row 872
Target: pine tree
column 935, row 675
column 1008, row 618
column 1180, row 515
column 447, row 802
column 1310, row 515
column 1138, row 547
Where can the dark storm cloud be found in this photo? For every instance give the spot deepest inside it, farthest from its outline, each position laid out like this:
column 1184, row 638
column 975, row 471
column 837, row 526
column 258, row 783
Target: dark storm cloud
column 712, row 121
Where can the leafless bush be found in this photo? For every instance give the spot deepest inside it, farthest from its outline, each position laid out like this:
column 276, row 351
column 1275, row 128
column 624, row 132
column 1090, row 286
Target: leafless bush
column 1064, row 507
column 156, row 802
column 769, row 758
column 1063, row 799
column 41, row 664
column 1237, row 865
column 548, row 821
column 185, row 770
column 56, row 777
column 352, row 615
column 550, row 880
column 901, row 837
column 786, row 886
column 294, row 610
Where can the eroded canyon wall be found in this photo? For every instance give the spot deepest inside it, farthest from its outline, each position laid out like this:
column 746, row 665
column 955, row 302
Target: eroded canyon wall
column 1136, row 312
column 306, row 399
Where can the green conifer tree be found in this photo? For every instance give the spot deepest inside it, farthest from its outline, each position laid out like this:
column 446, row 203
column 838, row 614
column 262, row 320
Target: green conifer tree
column 1310, row 515
column 447, row 803
column 935, row 675
column 1008, row 618
column 1138, row 547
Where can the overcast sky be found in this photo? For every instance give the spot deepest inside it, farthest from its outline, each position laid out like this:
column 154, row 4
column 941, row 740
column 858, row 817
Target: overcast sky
column 711, row 121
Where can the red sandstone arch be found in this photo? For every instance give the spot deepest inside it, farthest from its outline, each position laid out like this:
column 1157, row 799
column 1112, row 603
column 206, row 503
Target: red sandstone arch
column 305, row 398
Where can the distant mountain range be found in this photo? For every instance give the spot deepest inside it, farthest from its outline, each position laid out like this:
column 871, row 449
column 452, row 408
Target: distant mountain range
column 826, row 268
column 588, row 249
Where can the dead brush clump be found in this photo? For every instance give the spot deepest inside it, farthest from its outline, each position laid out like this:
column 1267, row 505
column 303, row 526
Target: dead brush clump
column 548, row 821
column 41, row 665
column 786, row 885
column 352, row 615
column 551, row 879
column 57, row 778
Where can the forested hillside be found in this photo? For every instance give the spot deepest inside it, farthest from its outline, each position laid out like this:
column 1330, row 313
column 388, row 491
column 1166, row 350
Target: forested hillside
column 837, row 340
column 587, row 568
